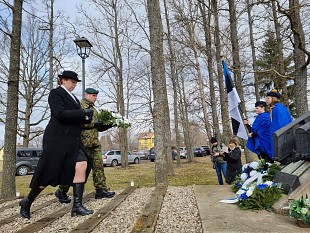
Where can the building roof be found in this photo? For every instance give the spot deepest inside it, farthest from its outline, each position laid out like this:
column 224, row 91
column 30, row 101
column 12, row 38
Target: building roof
column 145, row 135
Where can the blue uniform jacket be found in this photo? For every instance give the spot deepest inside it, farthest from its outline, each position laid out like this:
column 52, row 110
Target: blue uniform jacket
column 262, row 130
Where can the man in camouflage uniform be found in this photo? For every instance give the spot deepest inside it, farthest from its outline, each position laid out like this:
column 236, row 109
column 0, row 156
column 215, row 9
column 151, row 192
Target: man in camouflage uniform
column 93, row 148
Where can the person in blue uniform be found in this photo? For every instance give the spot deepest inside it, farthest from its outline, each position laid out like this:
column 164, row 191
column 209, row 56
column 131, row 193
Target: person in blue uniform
column 259, row 133
column 279, row 114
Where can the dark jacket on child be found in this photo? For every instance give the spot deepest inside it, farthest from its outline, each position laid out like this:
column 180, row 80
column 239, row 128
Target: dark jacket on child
column 234, row 164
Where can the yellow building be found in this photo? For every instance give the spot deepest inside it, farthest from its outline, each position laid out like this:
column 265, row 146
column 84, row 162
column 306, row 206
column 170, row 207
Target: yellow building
column 146, row 140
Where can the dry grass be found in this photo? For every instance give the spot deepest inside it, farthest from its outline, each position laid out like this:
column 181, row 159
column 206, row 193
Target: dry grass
column 199, row 172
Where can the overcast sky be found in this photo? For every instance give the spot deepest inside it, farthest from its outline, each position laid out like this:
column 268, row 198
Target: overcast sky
column 69, row 8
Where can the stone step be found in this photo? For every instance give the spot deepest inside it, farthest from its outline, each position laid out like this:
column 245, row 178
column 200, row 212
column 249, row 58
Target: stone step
column 290, row 168
column 303, row 168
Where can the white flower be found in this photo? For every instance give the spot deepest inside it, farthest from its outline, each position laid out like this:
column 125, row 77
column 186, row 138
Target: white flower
column 254, row 165
column 307, row 202
column 249, row 192
column 304, row 211
column 116, row 115
column 240, row 191
column 243, row 176
column 269, row 183
column 252, row 173
column 245, row 166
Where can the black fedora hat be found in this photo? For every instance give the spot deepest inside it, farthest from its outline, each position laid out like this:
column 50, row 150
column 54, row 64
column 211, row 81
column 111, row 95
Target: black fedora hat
column 68, row 74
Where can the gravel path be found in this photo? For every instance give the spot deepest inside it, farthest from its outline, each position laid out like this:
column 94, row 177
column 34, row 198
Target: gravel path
column 179, row 213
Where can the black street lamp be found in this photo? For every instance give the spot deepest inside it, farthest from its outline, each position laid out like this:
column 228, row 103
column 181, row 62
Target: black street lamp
column 83, row 47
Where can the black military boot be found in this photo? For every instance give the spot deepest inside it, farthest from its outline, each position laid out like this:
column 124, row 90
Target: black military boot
column 62, row 197
column 25, row 208
column 78, row 208
column 100, row 193
column 25, row 203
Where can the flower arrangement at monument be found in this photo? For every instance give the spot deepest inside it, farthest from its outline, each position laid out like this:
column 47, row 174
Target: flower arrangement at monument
column 254, row 187
column 300, row 210
column 112, row 118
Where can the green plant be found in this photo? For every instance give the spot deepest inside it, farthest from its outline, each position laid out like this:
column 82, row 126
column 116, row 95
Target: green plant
column 300, row 209
column 112, row 118
column 262, row 198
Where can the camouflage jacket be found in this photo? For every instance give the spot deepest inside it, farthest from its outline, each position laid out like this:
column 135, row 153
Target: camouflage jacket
column 89, row 133
column 217, row 159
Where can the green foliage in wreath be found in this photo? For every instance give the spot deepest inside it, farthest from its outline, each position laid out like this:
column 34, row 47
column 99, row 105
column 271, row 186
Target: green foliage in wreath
column 106, row 117
column 236, row 184
column 271, row 172
column 262, row 199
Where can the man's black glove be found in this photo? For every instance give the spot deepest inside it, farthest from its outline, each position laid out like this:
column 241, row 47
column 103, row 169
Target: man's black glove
column 101, row 127
column 88, row 113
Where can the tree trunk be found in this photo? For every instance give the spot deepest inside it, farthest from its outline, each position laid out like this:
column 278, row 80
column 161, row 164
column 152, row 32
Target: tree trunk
column 280, row 68
column 159, row 91
column 235, row 52
column 300, row 87
column 207, row 31
column 227, row 132
column 192, row 41
column 174, row 79
column 118, row 61
column 250, row 21
column 50, row 45
column 8, row 188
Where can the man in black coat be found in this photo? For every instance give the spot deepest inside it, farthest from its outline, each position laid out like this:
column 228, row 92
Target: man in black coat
column 64, row 160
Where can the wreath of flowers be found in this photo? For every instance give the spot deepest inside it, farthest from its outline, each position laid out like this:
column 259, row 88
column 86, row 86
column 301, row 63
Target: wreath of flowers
column 254, row 187
column 113, row 118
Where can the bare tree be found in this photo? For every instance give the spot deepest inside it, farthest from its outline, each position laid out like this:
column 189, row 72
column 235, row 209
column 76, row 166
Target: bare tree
column 8, row 187
column 300, row 61
column 34, row 80
column 160, row 114
column 280, row 58
column 111, row 57
column 206, row 17
column 252, row 43
column 223, row 97
column 174, row 79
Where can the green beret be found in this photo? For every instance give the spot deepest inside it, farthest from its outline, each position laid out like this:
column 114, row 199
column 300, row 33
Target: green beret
column 91, row 91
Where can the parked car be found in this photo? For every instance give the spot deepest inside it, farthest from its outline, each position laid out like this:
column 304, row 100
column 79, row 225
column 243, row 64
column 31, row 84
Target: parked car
column 183, row 153
column 144, row 154
column 152, row 154
column 207, row 149
column 27, row 160
column 199, row 152
column 113, row 158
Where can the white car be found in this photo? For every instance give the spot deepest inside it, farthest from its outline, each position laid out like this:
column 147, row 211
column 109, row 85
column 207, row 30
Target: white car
column 113, row 158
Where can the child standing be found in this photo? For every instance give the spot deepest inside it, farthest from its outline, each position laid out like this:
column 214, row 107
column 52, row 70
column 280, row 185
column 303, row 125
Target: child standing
column 233, row 159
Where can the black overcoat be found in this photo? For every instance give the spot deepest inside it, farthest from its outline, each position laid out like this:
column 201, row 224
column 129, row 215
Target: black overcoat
column 61, row 141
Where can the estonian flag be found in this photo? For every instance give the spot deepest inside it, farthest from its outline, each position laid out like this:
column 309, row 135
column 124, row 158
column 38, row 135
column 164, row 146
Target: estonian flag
column 233, row 102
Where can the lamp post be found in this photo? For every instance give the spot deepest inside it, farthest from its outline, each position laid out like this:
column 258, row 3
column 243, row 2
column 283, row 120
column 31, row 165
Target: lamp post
column 83, row 47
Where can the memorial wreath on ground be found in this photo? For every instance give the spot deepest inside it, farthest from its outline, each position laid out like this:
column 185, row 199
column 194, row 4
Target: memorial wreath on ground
column 254, row 188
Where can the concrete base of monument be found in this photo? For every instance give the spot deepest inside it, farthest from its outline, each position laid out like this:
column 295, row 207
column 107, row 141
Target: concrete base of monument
column 300, row 169
column 222, row 217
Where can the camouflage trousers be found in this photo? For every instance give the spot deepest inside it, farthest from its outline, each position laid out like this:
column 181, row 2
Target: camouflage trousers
column 99, row 178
